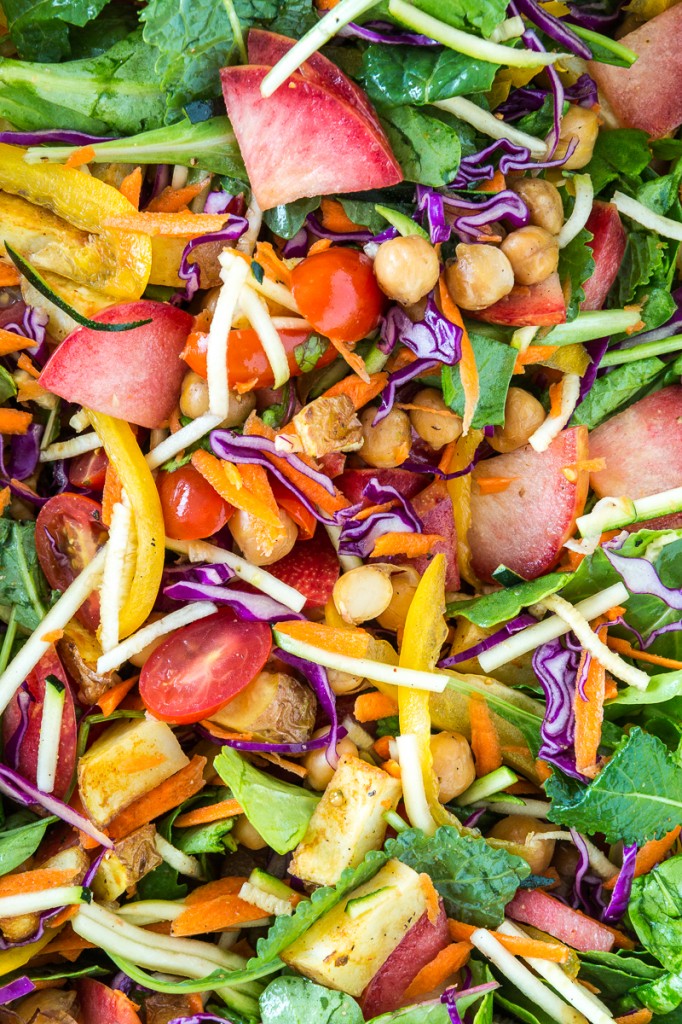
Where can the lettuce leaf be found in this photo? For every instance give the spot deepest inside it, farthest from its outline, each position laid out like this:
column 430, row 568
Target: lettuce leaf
column 655, row 912
column 40, row 28
column 395, row 75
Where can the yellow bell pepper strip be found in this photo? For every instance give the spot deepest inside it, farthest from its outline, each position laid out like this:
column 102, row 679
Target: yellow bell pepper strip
column 13, row 959
column 459, row 490
column 425, row 633
column 137, row 481
column 54, row 215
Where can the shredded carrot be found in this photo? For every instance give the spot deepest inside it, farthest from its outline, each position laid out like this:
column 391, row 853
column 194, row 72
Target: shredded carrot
column 372, row 510
column 442, row 967
column 468, row 371
column 555, row 952
column 183, row 225
column 382, row 746
column 494, row 484
column 623, row 647
column 284, row 763
column 220, row 476
column 533, row 354
column 274, row 267
column 131, row 187
column 369, row 707
column 215, row 915
column 111, row 494
column 651, row 854
column 485, row 742
column 175, row 790
column 64, row 915
column 431, row 895
column 495, row 184
column 392, row 767
column 218, row 889
column 334, row 217
column 13, row 421
column 34, row 881
column 175, row 200
column 321, row 245
column 304, row 519
column 53, row 636
column 555, row 394
column 81, row 156
column 5, row 498
column 354, row 642
column 412, row 545
column 67, row 943
column 9, row 276
column 30, row 391
column 26, row 364
column 620, row 940
column 359, row 391
column 524, row 787
column 642, row 1016
column 589, row 712
column 356, row 362
column 110, row 700
column 213, row 812
column 10, row 342
column 544, row 772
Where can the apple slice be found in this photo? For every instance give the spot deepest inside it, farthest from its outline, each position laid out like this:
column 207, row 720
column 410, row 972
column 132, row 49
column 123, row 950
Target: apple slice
column 608, row 249
column 540, row 305
column 103, row 1005
column 642, row 447
column 541, row 910
column 525, row 525
column 269, row 48
column 433, row 505
column 304, row 140
column 133, row 375
column 630, row 92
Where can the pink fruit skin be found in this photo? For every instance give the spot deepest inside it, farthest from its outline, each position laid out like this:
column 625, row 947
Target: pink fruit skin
column 134, row 375
column 103, row 1005
column 642, row 447
column 433, row 505
column 352, row 482
column 576, row 930
column 312, row 567
column 540, row 305
column 647, row 95
column 524, row 527
column 304, row 140
column 424, row 940
column 608, row 249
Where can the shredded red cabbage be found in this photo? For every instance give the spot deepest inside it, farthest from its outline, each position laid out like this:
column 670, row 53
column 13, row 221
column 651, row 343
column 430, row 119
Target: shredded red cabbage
column 620, row 897
column 511, row 627
column 472, row 170
column 430, row 205
column 594, row 16
column 248, row 606
column 16, row 989
column 23, row 792
column 13, row 745
column 68, row 138
column 451, row 995
column 416, row 464
column 200, row 1018
column 556, row 667
column 257, row 746
column 360, row 237
column 396, row 381
column 297, row 247
column 359, row 536
column 471, row 217
column 385, row 32
column 318, row 679
column 533, row 43
column 191, row 272
column 553, row 27
column 640, row 576
column 433, row 337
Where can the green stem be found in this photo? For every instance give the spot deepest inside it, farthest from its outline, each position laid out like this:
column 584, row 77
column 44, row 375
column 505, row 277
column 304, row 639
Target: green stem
column 612, row 45
column 403, row 224
column 236, row 27
column 649, row 348
column 487, row 786
column 8, row 640
column 593, row 324
column 393, row 819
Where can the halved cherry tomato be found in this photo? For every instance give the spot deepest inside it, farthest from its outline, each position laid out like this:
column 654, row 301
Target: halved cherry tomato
column 88, row 470
column 203, row 666
column 192, row 510
column 69, row 533
column 337, row 292
column 246, row 360
column 304, row 519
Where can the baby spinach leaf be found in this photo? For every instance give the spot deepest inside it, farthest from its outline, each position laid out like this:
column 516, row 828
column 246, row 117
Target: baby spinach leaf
column 655, row 911
column 427, row 149
column 476, row 880
column 491, row 609
column 481, row 14
column 114, row 24
column 623, row 151
column 616, row 974
column 39, row 28
column 395, row 75
column 212, row 838
column 287, row 220
column 22, row 584
column 576, row 263
column 611, row 393
column 637, row 796
column 291, row 1000
column 419, row 1013
column 17, row 844
column 663, row 995
column 495, row 364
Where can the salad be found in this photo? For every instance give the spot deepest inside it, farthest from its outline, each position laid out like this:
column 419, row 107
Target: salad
column 340, row 512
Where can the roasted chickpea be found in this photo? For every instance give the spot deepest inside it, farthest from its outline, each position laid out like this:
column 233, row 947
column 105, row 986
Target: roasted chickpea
column 583, row 124
column 194, row 401
column 406, row 268
column 255, row 547
column 362, row 594
column 387, row 444
column 453, row 764
column 543, row 201
column 516, row 828
column 480, row 276
column 404, row 585
column 343, row 682
column 523, row 414
column 246, row 835
column 533, row 254
column 439, row 427
column 320, row 771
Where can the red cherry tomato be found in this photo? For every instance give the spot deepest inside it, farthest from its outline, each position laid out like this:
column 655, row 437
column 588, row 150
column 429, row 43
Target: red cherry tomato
column 202, row 666
column 337, row 292
column 246, row 358
column 88, row 470
column 192, row 510
column 69, row 533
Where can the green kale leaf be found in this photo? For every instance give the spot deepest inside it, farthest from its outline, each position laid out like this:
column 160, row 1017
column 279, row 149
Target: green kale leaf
column 427, row 148
column 495, row 363
column 484, row 15
column 624, row 151
column 398, row 75
column 618, row 389
column 22, row 584
column 40, row 28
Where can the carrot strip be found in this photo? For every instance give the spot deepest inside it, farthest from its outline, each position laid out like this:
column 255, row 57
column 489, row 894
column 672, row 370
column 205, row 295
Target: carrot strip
column 495, row 184
column 623, row 647
column 494, row 484
column 412, row 545
column 216, row 916
column 382, row 747
column 356, row 362
column 555, row 952
column 26, row 364
column 53, row 636
column 111, row 494
column 321, row 245
column 228, row 886
column 589, row 713
column 10, row 342
column 184, row 784
column 213, row 812
column 354, row 642
column 110, row 700
column 9, row 276
column 81, row 156
column 131, row 187
column 369, row 707
column 13, row 421
column 642, row 1016
column 391, row 767
column 66, row 944
column 184, row 225
column 30, row 391
column 485, row 742
column 555, row 392
column 64, row 915
column 359, row 391
column 34, row 881
column 442, row 967
column 228, row 483
column 5, row 498
column 468, row 371
column 334, row 217
column 533, row 354
column 305, row 520
column 275, row 268
column 651, row 854
column 175, row 200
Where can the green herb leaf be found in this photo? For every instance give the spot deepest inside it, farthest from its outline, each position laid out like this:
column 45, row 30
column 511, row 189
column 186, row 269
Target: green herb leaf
column 623, row 151
column 491, row 609
column 484, row 16
column 275, row 415
column 286, row 221
column 39, row 28
column 398, row 75
column 291, row 1000
column 576, row 263
column 17, row 844
column 310, row 351
column 655, row 911
column 475, row 880
column 495, row 363
column 22, row 584
column 8, row 388
column 617, row 389
column 212, row 838
column 427, row 149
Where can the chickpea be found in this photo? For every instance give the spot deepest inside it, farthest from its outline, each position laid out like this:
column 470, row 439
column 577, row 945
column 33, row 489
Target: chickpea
column 533, row 254
column 439, row 427
column 480, row 276
column 516, row 828
column 543, row 201
column 362, row 594
column 404, row 585
column 453, row 764
column 246, row 835
column 387, row 444
column 523, row 414
column 343, row 682
column 256, row 547
column 320, row 772
column 406, row 269
column 583, row 124
column 194, row 401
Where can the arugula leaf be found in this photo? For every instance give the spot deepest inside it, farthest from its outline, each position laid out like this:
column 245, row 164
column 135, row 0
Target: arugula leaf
column 212, row 838
column 286, row 930
column 292, row 1000
column 655, row 911
column 637, row 796
column 310, row 351
column 611, row 393
column 39, row 28
column 576, row 262
column 17, row 844
column 491, row 609
column 476, row 880
column 495, row 364
column 481, row 14
column 258, row 793
column 623, row 151
column 286, row 221
column 427, row 149
column 395, row 75
column 8, row 388
column 22, row 584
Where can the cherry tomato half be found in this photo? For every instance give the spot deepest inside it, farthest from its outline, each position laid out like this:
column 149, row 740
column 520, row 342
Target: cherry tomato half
column 337, row 292
column 202, row 666
column 88, row 470
column 192, row 510
column 69, row 533
column 246, row 358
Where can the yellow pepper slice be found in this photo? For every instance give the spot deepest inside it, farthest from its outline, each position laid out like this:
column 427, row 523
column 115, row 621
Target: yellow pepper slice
column 460, row 493
column 137, row 481
column 53, row 214
column 13, row 959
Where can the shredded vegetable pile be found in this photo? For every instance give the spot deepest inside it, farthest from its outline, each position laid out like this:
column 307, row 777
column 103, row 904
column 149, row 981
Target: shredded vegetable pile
column 340, row 512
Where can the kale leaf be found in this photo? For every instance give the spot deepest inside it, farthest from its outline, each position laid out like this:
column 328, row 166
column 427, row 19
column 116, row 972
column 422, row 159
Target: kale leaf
column 397, row 75
column 427, row 149
column 40, row 28
column 22, row 584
